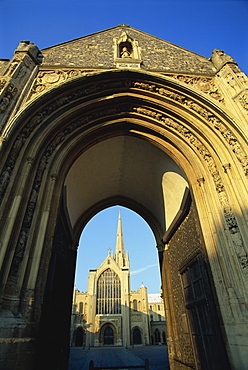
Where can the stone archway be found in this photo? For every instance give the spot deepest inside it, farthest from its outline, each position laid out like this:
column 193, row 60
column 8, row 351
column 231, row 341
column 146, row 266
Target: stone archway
column 136, row 335
column 79, row 337
column 60, row 139
column 108, row 335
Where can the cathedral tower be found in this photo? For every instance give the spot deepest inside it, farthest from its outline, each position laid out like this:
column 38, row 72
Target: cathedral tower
column 120, row 256
column 108, row 298
column 109, row 313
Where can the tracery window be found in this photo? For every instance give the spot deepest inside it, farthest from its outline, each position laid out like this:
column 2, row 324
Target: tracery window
column 108, row 293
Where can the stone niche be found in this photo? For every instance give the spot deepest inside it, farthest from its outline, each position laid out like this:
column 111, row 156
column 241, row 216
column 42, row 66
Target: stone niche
column 126, row 52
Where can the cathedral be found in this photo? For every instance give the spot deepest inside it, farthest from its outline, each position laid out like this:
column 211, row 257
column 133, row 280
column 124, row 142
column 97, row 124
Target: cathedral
column 109, row 313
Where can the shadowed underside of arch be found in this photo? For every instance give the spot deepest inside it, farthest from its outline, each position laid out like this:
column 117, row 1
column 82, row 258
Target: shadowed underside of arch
column 131, row 138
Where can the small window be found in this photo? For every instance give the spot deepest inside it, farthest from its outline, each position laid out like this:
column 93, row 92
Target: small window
column 81, row 307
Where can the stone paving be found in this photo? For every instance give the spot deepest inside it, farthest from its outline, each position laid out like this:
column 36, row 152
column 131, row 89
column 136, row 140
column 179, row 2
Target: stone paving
column 114, row 356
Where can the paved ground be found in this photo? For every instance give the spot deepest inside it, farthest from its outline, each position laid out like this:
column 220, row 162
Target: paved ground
column 114, row 356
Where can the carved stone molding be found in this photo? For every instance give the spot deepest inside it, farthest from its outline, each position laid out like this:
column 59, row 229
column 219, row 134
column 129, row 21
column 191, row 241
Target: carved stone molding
column 204, row 84
column 47, row 79
column 16, row 75
column 160, row 117
column 30, row 160
column 220, row 59
column 36, row 120
column 234, row 77
column 226, row 167
column 243, row 99
column 208, row 115
column 229, row 216
column 3, row 82
column 8, row 94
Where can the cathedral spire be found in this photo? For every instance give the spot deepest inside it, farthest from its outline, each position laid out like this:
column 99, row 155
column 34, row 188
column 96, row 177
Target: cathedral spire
column 119, row 251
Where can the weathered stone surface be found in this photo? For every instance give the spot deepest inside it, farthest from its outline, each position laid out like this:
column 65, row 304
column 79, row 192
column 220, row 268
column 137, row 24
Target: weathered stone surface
column 120, row 117
column 97, row 51
column 3, row 65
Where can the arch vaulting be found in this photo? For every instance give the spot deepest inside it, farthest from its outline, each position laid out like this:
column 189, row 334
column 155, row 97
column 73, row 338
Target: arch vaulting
column 170, row 144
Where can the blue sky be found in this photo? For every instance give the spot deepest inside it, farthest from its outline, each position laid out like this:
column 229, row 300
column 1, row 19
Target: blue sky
column 197, row 25
column 100, row 234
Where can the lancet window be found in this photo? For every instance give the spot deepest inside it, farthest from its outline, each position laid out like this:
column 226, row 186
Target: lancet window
column 108, row 293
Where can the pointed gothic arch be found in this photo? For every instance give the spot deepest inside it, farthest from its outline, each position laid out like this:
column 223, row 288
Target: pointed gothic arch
column 180, row 126
column 108, row 334
column 136, row 335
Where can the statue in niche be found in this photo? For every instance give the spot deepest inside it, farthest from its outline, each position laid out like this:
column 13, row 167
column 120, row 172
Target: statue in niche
column 125, row 53
column 126, row 49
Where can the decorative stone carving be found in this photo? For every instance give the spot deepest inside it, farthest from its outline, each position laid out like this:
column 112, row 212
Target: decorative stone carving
column 243, row 99
column 16, row 75
column 31, row 49
column 19, row 252
column 219, row 58
column 2, row 83
column 226, row 167
column 204, row 84
column 4, row 103
column 4, row 180
column 140, row 110
column 220, row 188
column 49, row 78
column 236, row 85
column 8, row 94
column 52, row 107
column 126, row 52
column 236, row 238
column 209, row 116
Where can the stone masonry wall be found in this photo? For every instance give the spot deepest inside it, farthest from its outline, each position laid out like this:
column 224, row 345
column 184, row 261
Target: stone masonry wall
column 97, row 51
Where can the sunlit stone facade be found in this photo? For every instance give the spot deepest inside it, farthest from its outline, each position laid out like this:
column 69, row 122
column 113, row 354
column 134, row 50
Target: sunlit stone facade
column 123, row 117
column 109, row 313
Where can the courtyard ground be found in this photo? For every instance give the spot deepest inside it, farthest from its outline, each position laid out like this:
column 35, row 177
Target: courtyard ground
column 119, row 356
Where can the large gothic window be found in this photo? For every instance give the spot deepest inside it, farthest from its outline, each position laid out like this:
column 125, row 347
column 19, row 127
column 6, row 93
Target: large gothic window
column 108, row 293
